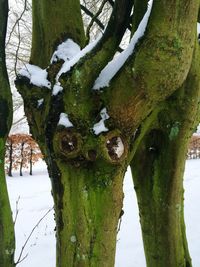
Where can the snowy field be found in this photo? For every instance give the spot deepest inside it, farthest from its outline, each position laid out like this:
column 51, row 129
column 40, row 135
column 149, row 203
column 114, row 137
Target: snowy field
column 35, row 200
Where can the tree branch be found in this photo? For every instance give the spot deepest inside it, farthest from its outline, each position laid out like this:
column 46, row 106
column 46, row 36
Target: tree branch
column 29, row 236
column 90, row 14
column 17, row 22
column 170, row 49
column 93, row 19
column 140, row 7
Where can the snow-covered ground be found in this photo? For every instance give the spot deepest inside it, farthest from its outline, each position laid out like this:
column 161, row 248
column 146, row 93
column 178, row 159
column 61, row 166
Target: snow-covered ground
column 35, row 200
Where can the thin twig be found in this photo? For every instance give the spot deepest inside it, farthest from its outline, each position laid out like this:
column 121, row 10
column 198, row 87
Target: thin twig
column 32, row 231
column 17, row 210
column 17, row 22
column 17, row 51
column 90, row 14
column 93, row 19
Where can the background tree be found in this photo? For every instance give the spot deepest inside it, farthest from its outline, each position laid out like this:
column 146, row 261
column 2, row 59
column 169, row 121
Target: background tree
column 7, row 241
column 22, row 152
column 18, row 46
column 98, row 118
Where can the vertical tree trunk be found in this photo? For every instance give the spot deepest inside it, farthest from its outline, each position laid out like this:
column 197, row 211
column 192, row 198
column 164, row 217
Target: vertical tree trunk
column 158, row 168
column 88, row 203
column 157, row 172
column 22, row 159
column 31, row 162
column 10, row 159
column 7, row 240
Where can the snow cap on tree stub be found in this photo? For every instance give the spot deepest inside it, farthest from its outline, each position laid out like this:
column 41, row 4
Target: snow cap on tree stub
column 36, row 75
column 66, row 51
column 64, row 121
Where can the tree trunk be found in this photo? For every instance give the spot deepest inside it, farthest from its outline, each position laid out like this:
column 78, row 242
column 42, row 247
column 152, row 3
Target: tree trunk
column 87, row 168
column 10, row 159
column 157, row 172
column 158, row 168
column 31, row 162
column 88, row 203
column 7, row 240
column 22, row 159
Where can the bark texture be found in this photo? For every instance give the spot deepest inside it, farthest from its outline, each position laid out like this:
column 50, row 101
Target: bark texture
column 7, row 240
column 158, row 168
column 87, row 169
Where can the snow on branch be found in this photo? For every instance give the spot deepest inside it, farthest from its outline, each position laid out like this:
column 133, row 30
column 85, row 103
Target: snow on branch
column 116, row 64
column 70, row 63
column 36, row 75
column 70, row 52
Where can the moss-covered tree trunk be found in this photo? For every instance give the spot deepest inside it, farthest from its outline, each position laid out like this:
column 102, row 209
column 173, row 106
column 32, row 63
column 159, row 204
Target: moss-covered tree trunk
column 10, row 149
column 88, row 206
column 7, row 240
column 158, row 168
column 88, row 137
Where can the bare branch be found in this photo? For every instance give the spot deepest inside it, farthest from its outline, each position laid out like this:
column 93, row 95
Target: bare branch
column 17, row 22
column 32, row 231
column 93, row 20
column 17, row 210
column 90, row 14
column 17, row 51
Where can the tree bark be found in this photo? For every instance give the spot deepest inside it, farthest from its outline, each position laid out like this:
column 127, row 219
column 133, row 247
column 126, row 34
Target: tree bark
column 7, row 240
column 31, row 162
column 88, row 203
column 85, row 168
column 10, row 158
column 22, row 159
column 86, row 179
column 158, row 168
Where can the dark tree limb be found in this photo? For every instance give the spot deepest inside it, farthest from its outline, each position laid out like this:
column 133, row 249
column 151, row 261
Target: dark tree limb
column 90, row 14
column 7, row 239
column 93, row 19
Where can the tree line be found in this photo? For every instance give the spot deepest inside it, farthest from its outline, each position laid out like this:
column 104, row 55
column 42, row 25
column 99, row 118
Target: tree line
column 22, row 152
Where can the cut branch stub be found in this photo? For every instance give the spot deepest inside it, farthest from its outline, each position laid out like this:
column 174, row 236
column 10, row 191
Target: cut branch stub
column 91, row 155
column 115, row 147
column 67, row 143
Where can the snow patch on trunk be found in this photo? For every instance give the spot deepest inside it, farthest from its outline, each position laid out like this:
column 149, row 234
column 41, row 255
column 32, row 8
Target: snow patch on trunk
column 40, row 102
column 119, row 148
column 57, row 88
column 100, row 127
column 64, row 120
column 66, row 51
